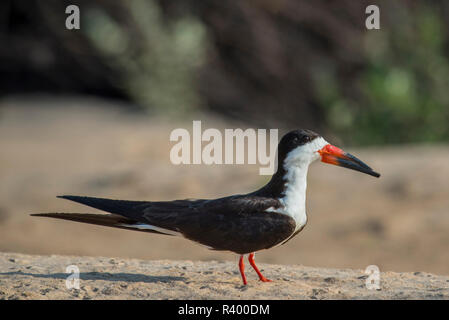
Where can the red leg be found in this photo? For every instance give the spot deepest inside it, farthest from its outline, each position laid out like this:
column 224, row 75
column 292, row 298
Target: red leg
column 242, row 270
column 253, row 264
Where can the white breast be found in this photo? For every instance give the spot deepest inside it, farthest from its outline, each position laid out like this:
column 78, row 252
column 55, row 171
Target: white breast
column 296, row 165
column 294, row 199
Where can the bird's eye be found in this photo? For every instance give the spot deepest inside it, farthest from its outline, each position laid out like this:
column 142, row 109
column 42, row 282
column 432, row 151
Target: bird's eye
column 306, row 139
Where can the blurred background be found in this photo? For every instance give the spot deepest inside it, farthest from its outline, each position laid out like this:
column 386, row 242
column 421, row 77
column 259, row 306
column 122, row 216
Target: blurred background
column 90, row 111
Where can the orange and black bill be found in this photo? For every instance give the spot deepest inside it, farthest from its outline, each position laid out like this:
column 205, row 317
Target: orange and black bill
column 333, row 155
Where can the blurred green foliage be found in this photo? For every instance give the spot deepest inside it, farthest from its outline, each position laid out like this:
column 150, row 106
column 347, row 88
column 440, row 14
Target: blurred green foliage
column 157, row 61
column 402, row 93
column 287, row 64
column 399, row 95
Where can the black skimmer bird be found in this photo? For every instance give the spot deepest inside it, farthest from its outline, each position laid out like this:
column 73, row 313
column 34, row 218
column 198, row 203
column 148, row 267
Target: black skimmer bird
column 242, row 224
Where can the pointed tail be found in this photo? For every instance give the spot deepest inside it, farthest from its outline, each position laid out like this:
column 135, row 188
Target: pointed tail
column 122, row 207
column 108, row 220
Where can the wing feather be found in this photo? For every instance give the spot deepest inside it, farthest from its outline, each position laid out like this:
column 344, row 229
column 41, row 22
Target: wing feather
column 238, row 223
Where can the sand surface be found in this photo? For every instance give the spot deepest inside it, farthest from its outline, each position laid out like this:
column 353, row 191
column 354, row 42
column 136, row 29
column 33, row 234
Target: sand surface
column 44, row 277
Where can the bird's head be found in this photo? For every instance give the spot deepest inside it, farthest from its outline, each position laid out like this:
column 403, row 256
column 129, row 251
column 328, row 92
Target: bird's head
column 302, row 147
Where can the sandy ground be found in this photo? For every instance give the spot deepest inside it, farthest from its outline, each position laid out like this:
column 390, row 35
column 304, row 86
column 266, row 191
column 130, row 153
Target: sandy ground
column 44, row 277
column 52, row 146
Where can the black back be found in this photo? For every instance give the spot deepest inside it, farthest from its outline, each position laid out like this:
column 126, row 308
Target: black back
column 237, row 223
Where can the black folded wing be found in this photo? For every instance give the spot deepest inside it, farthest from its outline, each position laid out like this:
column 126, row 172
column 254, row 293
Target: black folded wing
column 238, row 223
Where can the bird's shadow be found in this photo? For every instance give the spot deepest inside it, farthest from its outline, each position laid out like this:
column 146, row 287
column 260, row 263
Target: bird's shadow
column 105, row 276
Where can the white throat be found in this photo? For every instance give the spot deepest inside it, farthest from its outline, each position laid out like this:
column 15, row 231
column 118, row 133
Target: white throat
column 294, row 199
column 296, row 165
